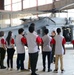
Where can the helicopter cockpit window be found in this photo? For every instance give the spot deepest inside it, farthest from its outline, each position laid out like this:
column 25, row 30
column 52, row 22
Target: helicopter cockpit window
column 38, row 31
column 67, row 33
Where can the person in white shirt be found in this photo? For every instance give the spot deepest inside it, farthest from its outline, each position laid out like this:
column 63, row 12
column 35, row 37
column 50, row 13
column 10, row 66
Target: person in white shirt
column 32, row 41
column 29, row 66
column 59, row 42
column 46, row 49
column 10, row 50
column 2, row 49
column 20, row 43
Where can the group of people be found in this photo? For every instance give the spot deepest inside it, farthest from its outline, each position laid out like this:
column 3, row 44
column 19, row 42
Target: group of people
column 51, row 45
column 6, row 45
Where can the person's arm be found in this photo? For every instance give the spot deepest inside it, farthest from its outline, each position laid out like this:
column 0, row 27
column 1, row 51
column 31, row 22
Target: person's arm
column 42, row 45
column 53, row 44
column 63, row 42
column 23, row 40
column 12, row 42
column 3, row 42
column 38, row 40
column 64, row 48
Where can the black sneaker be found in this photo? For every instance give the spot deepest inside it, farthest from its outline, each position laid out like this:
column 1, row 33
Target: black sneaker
column 17, row 69
column 49, row 70
column 36, row 69
column 3, row 67
column 24, row 70
column 36, row 74
column 43, row 69
column 62, row 70
column 56, row 71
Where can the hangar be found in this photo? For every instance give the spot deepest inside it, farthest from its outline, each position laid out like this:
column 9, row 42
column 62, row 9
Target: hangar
column 12, row 12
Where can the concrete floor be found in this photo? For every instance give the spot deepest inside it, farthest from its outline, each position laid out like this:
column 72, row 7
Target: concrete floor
column 68, row 65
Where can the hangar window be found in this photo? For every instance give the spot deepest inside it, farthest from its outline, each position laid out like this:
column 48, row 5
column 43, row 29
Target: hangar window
column 26, row 4
column 7, row 2
column 43, row 2
column 15, row 6
column 14, row 1
column 8, row 7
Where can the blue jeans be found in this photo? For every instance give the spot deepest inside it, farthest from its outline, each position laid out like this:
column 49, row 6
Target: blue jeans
column 48, row 54
column 20, row 61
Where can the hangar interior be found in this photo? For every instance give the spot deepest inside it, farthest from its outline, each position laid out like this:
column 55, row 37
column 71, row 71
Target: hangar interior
column 19, row 13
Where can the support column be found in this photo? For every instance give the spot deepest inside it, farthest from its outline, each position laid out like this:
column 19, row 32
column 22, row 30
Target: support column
column 37, row 7
column 53, row 7
column 22, row 5
column 1, row 4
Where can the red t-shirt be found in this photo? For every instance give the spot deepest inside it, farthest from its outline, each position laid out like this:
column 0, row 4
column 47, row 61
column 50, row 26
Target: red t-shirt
column 12, row 41
column 3, row 41
column 63, row 41
column 38, row 40
column 24, row 41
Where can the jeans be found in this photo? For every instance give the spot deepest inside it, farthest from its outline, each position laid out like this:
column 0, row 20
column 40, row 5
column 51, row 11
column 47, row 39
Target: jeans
column 48, row 54
column 20, row 61
column 33, row 61
column 2, row 56
column 10, row 53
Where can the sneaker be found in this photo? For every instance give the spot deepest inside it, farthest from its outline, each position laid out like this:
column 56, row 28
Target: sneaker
column 43, row 69
column 24, row 70
column 49, row 70
column 34, row 74
column 62, row 70
column 36, row 69
column 3, row 67
column 7, row 68
column 18, row 69
column 56, row 71
column 11, row 69
column 29, row 68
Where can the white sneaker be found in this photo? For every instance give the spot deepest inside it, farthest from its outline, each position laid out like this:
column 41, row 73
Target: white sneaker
column 11, row 69
column 7, row 68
